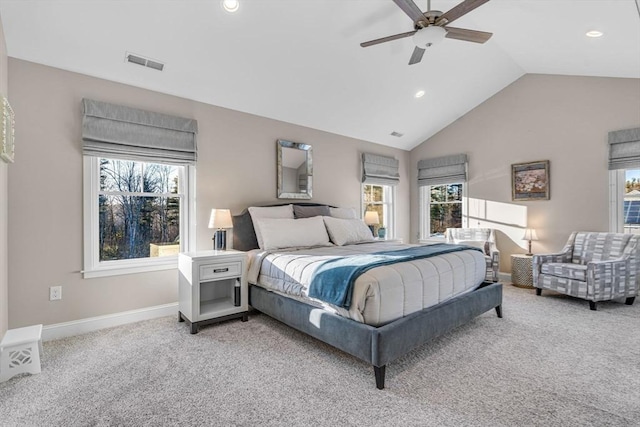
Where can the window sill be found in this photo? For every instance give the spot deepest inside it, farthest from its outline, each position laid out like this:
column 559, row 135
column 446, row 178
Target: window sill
column 118, row 270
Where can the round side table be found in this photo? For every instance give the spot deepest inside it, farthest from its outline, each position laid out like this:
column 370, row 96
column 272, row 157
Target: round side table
column 522, row 271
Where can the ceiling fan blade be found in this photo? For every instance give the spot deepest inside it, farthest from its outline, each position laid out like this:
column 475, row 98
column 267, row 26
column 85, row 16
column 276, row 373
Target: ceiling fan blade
column 387, row 39
column 456, row 12
column 467, row 35
column 416, row 56
column 410, row 8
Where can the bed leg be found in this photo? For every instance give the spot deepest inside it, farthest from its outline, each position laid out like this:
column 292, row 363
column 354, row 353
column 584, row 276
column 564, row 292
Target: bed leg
column 379, row 371
column 499, row 311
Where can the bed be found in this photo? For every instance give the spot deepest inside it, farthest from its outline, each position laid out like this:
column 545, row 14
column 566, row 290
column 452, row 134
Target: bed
column 385, row 319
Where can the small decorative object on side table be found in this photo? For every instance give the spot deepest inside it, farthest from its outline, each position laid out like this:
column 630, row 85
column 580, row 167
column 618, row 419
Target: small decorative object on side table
column 212, row 287
column 522, row 270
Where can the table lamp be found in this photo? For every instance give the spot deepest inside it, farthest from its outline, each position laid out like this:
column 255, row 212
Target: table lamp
column 220, row 219
column 529, row 235
column 372, row 219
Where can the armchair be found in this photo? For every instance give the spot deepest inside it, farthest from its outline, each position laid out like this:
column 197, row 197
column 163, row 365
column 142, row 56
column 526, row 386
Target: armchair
column 592, row 266
column 483, row 238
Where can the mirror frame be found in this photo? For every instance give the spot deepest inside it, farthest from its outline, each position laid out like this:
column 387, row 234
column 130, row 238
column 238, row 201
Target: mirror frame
column 296, row 146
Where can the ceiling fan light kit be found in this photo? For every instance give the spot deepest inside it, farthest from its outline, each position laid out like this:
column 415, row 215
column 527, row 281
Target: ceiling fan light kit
column 429, row 36
column 430, row 27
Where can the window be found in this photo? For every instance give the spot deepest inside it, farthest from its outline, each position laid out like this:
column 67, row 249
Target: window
column 136, row 215
column 441, row 207
column 380, row 198
column 625, row 201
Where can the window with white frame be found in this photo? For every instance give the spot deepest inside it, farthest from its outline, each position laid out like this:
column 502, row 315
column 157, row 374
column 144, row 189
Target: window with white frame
column 139, row 177
column 380, row 199
column 380, row 175
column 624, row 181
column 625, row 201
column 443, row 198
column 442, row 206
column 136, row 215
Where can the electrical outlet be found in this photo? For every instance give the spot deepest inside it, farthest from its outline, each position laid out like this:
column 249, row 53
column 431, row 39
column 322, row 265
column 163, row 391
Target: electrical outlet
column 55, row 293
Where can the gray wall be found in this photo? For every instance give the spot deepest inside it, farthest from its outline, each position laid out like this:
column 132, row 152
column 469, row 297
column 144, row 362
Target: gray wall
column 4, row 200
column 236, row 168
column 563, row 119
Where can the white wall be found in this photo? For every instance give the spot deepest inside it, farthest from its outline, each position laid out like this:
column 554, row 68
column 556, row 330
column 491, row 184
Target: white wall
column 236, row 168
column 563, row 119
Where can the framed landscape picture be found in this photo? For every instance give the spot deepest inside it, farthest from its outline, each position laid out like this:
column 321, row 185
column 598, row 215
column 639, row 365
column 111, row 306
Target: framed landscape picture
column 530, row 181
column 6, row 132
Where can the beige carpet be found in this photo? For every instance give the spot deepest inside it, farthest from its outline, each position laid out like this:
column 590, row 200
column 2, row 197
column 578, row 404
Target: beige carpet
column 549, row 362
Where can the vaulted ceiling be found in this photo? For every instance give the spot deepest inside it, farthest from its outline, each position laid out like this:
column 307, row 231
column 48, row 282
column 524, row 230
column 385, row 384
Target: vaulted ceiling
column 300, row 61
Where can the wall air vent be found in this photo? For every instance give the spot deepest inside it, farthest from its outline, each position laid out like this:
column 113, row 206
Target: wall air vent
column 396, row 134
column 145, row 62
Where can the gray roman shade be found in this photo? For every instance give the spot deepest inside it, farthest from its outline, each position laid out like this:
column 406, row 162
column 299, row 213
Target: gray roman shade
column 442, row 170
column 380, row 170
column 110, row 130
column 624, row 149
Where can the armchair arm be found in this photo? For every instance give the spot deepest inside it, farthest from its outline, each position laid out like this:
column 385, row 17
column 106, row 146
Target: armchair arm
column 538, row 260
column 495, row 256
column 557, row 257
column 612, row 279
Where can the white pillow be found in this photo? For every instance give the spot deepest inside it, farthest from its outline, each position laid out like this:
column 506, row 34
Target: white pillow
column 346, row 213
column 290, row 233
column 347, row 231
column 257, row 213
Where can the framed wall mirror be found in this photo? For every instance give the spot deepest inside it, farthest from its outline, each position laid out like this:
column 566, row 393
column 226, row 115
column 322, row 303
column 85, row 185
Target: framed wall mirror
column 295, row 170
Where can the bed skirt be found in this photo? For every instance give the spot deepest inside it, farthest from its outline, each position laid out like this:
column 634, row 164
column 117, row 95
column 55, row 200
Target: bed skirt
column 378, row 345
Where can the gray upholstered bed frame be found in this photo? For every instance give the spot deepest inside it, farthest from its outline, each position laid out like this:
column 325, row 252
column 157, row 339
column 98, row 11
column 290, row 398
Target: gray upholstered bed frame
column 375, row 345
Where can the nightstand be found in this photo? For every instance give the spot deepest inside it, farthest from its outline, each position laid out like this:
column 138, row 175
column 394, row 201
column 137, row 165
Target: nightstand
column 522, row 271
column 212, row 287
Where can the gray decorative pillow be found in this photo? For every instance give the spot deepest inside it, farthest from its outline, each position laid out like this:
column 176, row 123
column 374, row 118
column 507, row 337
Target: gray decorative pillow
column 310, row 211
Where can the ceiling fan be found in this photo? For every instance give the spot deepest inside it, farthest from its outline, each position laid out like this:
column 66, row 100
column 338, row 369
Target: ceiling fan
column 432, row 26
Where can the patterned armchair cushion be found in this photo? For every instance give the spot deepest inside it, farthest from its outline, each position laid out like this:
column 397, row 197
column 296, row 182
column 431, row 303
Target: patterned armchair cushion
column 589, row 247
column 569, row 271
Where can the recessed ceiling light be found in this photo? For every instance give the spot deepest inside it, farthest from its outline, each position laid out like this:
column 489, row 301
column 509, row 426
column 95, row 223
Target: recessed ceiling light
column 419, row 94
column 594, row 33
column 230, row 5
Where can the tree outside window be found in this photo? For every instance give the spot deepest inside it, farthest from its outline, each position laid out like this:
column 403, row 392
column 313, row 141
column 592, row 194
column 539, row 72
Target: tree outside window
column 138, row 209
column 445, row 208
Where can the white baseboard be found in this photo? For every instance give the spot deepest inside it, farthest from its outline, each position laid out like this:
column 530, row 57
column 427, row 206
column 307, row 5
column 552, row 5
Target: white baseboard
column 82, row 326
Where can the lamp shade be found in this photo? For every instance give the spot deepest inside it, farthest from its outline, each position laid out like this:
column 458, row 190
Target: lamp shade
column 220, row 218
column 371, row 218
column 530, row 234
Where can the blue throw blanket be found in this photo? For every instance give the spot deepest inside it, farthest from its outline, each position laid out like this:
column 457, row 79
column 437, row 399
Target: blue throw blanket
column 333, row 281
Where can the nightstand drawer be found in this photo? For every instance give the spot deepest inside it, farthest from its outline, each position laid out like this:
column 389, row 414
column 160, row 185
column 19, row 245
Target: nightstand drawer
column 220, row 271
